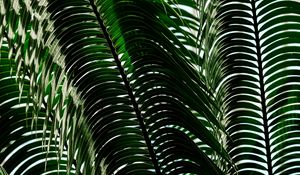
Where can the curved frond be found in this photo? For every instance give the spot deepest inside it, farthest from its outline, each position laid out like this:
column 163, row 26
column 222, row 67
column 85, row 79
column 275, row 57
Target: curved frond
column 149, row 87
column 21, row 145
column 125, row 82
column 263, row 44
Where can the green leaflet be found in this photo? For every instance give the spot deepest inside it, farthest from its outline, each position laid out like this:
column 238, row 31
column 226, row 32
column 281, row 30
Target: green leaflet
column 2, row 171
column 265, row 95
column 149, row 87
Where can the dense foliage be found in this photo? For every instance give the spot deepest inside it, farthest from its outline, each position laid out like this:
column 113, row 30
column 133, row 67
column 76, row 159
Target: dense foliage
column 149, row 87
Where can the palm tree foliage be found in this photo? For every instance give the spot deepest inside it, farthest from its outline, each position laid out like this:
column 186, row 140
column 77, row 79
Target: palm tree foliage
column 149, row 87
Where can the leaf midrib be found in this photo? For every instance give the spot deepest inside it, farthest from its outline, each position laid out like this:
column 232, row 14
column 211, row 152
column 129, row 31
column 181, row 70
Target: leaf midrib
column 262, row 88
column 128, row 87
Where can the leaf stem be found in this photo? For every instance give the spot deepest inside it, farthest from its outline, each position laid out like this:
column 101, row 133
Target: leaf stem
column 262, row 89
column 128, row 88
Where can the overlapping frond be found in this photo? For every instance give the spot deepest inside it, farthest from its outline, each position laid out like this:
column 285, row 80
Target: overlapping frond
column 114, row 70
column 149, row 86
column 204, row 40
column 155, row 74
column 263, row 45
column 51, row 101
column 21, row 145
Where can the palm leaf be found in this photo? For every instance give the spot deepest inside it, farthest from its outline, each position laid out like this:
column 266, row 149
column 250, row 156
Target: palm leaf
column 128, row 126
column 21, row 145
column 149, row 87
column 263, row 43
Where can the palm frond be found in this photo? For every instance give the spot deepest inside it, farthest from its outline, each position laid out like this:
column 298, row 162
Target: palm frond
column 263, row 39
column 205, row 41
column 149, row 87
column 48, row 95
column 132, row 114
column 21, row 145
